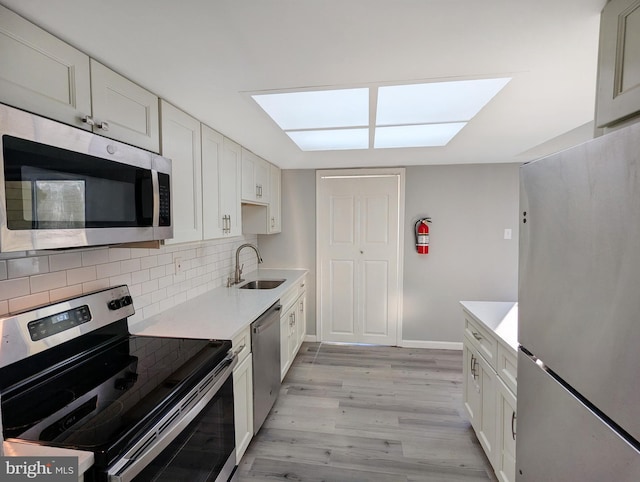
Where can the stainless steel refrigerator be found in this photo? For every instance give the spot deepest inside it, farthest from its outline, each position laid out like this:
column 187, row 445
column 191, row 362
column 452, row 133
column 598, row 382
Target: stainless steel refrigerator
column 578, row 413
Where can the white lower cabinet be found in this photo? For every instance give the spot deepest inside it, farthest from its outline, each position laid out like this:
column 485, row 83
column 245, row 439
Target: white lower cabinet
column 243, row 393
column 506, row 419
column 480, row 388
column 488, row 398
column 292, row 325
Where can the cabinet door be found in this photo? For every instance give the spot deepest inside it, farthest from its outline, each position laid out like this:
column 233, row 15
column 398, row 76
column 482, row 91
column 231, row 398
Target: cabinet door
column 249, row 187
column 214, row 222
column 293, row 332
column 301, row 320
column 41, row 73
column 275, row 224
column 123, row 110
column 243, row 405
column 505, row 460
column 263, row 179
column 230, row 186
column 284, row 344
column 472, row 396
column 487, row 426
column 255, row 178
column 479, row 396
column 181, row 142
column 618, row 95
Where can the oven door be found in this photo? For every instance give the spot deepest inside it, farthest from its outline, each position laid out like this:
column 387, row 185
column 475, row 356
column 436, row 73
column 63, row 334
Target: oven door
column 195, row 441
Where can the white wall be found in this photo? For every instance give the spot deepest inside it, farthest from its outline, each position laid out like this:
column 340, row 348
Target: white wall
column 471, row 205
column 28, row 280
column 469, row 259
column 295, row 246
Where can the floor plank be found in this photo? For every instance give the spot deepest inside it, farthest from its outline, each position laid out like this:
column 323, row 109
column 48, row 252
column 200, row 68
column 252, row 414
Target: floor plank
column 351, row 413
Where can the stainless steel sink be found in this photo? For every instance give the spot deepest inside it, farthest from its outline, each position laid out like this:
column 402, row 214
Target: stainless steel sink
column 262, row 284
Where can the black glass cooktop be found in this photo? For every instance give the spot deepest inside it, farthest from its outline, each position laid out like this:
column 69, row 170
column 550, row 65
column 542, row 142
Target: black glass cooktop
column 103, row 399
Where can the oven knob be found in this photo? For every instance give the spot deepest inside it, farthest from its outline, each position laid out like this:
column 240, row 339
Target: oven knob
column 114, row 304
column 127, row 300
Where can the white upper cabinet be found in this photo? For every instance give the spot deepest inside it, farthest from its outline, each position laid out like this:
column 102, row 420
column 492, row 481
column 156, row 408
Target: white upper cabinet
column 618, row 95
column 255, row 178
column 42, row 74
column 220, row 185
column 275, row 223
column 181, row 142
column 264, row 219
column 123, row 110
column 230, row 185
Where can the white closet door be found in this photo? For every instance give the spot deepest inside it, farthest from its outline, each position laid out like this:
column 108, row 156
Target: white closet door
column 359, row 243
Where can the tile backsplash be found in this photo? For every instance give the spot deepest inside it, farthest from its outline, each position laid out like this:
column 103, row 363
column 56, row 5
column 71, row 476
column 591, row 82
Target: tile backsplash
column 29, row 280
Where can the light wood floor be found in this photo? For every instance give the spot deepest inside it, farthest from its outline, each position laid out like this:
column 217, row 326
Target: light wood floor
column 350, row 413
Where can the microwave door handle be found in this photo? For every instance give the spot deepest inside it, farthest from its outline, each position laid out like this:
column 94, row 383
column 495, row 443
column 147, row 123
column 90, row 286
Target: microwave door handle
column 156, row 198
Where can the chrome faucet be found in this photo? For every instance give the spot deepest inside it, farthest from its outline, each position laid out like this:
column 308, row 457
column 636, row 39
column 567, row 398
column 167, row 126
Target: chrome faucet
column 238, row 274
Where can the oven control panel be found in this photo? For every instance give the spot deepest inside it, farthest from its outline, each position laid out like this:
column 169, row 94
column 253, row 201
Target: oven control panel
column 44, row 327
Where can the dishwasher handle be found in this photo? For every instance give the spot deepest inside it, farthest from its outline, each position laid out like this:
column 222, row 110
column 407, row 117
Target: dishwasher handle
column 266, row 319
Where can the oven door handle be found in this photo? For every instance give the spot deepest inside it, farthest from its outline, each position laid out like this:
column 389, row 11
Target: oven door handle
column 163, row 433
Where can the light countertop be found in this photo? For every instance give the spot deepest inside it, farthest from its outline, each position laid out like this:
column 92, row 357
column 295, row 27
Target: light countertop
column 501, row 317
column 221, row 313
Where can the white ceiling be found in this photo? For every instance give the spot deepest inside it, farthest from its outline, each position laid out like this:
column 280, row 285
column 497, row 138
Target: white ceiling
column 208, row 56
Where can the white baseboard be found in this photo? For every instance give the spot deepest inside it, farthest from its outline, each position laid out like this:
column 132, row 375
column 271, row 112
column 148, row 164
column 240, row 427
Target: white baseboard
column 434, row 345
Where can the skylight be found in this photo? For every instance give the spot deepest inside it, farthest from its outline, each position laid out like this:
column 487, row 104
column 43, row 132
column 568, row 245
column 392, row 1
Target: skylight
column 331, row 139
column 317, row 109
column 435, row 102
column 412, row 115
column 432, row 135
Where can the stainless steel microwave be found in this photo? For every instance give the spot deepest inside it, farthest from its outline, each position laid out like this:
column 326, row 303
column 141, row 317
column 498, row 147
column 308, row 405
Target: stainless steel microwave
column 63, row 187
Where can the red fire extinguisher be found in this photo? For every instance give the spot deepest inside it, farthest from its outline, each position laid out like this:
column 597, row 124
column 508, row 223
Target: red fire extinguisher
column 422, row 235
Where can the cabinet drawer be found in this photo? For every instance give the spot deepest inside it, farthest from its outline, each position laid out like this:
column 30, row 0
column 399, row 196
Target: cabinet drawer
column 290, row 297
column 508, row 367
column 242, row 344
column 482, row 339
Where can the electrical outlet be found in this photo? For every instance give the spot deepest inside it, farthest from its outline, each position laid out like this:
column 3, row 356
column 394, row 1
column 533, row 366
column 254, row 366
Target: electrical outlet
column 179, row 265
column 507, row 234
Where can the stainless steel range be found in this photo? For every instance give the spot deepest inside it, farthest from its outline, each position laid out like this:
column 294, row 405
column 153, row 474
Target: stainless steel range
column 148, row 408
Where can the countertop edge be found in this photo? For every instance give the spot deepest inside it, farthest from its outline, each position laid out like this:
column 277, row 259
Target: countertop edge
column 498, row 317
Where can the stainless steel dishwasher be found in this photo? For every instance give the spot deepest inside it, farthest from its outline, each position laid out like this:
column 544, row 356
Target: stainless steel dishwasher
column 265, row 345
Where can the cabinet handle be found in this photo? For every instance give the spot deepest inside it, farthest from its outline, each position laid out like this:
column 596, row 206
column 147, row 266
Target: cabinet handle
column 239, row 349
column 472, row 367
column 103, row 125
column 88, row 120
column 476, row 335
column 228, row 223
column 513, row 425
column 273, row 222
